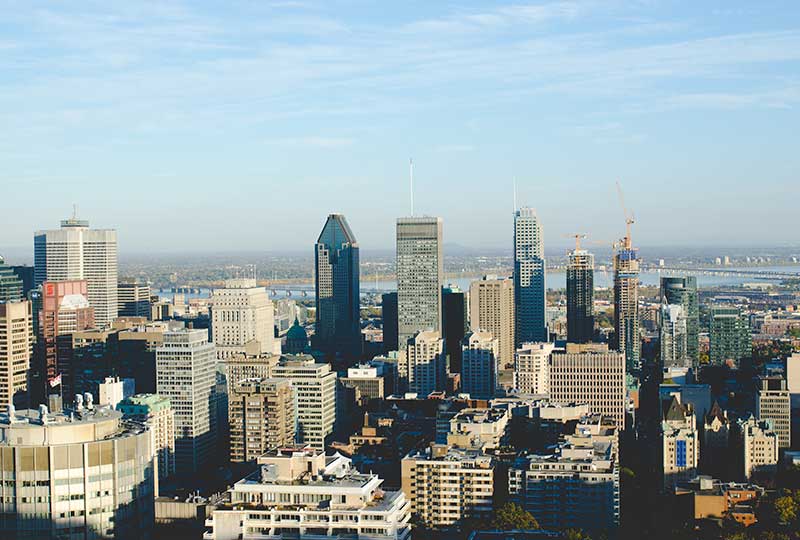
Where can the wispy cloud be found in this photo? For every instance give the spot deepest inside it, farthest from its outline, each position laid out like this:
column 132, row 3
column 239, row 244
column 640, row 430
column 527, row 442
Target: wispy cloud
column 313, row 141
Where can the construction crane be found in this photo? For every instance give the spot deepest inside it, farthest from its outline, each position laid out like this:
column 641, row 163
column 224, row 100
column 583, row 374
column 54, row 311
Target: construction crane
column 577, row 237
column 629, row 219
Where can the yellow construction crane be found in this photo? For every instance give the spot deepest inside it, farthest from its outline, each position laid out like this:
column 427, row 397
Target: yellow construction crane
column 577, row 237
column 629, row 219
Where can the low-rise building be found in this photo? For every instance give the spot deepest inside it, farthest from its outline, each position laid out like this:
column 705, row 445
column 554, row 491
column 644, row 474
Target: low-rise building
column 704, row 497
column 479, row 428
column 155, row 411
column 367, row 380
column 301, row 493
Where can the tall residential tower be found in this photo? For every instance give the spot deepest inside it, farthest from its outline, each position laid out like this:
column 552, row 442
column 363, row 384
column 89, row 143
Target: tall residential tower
column 529, row 277
column 580, row 295
column 626, row 303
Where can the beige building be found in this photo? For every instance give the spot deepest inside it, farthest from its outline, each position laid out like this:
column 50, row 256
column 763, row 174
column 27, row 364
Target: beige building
column 446, row 485
column 366, row 380
column 82, row 474
column 491, row 309
column 242, row 366
column 423, row 367
column 596, row 378
column 679, row 442
column 760, row 445
column 261, row 413
column 479, row 428
column 156, row 412
column 242, row 320
column 532, row 368
column 773, row 402
column 16, row 345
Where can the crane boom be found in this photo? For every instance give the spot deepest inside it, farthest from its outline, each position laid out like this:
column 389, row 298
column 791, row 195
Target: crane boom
column 628, row 218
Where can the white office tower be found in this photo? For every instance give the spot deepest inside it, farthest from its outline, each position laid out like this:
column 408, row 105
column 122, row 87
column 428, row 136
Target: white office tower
column 576, row 486
column 532, row 368
column 242, row 320
column 76, row 252
column 422, row 368
column 673, row 337
column 113, row 390
column 314, row 388
column 590, row 374
column 303, row 494
column 680, row 449
column 479, row 352
column 186, row 374
column 491, row 309
column 760, row 447
column 420, row 273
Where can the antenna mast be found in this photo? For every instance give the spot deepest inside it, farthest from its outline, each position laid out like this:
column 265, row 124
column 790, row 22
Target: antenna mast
column 411, row 179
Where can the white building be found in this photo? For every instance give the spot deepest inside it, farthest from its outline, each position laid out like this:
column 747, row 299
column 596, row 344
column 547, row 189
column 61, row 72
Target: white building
column 186, row 374
column 16, row 347
column 446, row 485
column 479, row 365
column 242, row 320
column 314, row 388
column 673, row 337
column 113, row 390
column 596, row 378
column 420, row 273
column 423, row 367
column 306, row 495
column 532, row 368
column 479, row 428
column 76, row 252
column 760, row 446
column 679, row 443
column 773, row 403
column 575, row 486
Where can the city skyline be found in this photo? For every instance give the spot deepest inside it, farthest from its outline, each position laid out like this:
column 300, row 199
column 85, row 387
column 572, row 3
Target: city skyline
column 291, row 105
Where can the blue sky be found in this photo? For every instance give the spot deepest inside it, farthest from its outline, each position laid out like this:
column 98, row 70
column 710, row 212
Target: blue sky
column 239, row 125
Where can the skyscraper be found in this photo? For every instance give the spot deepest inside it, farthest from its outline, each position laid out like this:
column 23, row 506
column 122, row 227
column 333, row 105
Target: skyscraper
column 242, row 320
column 10, row 284
column 683, row 291
column 338, row 328
column 133, row 298
column 529, row 278
column 186, row 375
column 479, row 374
column 76, row 252
column 389, row 316
column 420, row 273
column 16, row 340
column 580, row 296
column 422, row 368
column 626, row 304
column 454, row 325
column 673, row 336
column 491, row 309
column 729, row 336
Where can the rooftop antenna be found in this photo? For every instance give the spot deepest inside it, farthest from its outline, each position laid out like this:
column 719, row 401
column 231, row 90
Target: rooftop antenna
column 411, row 178
column 74, row 211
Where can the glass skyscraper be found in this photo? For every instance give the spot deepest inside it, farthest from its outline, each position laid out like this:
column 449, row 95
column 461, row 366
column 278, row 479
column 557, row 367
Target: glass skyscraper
column 683, row 291
column 338, row 323
column 626, row 305
column 10, row 284
column 529, row 278
column 580, row 296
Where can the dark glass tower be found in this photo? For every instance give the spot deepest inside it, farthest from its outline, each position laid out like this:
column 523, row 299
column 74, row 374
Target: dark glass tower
column 580, row 296
column 389, row 314
column 683, row 291
column 338, row 324
column 454, row 324
column 10, row 284
column 529, row 278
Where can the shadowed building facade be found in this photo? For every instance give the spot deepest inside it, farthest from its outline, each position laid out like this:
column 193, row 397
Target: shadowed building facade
column 529, row 278
column 580, row 296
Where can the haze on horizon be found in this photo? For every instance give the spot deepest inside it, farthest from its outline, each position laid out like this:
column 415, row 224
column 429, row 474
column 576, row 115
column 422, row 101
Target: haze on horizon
column 193, row 127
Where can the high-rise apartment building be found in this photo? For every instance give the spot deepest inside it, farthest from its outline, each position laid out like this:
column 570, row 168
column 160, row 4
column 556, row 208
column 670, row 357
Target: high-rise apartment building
column 479, row 369
column 596, row 377
column 314, row 387
column 156, row 412
column 529, row 278
column 338, row 322
column 133, row 298
column 420, row 273
column 729, row 336
column 773, row 403
column 10, row 284
column 242, row 320
column 491, row 309
column 422, row 366
column 680, row 448
column 76, row 252
column 261, row 417
column 683, row 291
column 185, row 371
column 626, row 304
column 760, row 447
column 454, row 325
column 532, row 368
column 65, row 310
column 674, row 337
column 16, row 349
column 446, row 485
column 580, row 296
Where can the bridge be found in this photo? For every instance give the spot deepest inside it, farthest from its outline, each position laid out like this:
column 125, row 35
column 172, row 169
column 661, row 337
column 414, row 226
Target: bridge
column 775, row 275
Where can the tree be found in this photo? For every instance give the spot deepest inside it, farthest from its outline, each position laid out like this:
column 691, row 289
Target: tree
column 787, row 507
column 510, row 517
column 575, row 534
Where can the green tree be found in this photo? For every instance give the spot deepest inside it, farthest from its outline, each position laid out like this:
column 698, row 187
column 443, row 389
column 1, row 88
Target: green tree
column 511, row 517
column 787, row 507
column 575, row 534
